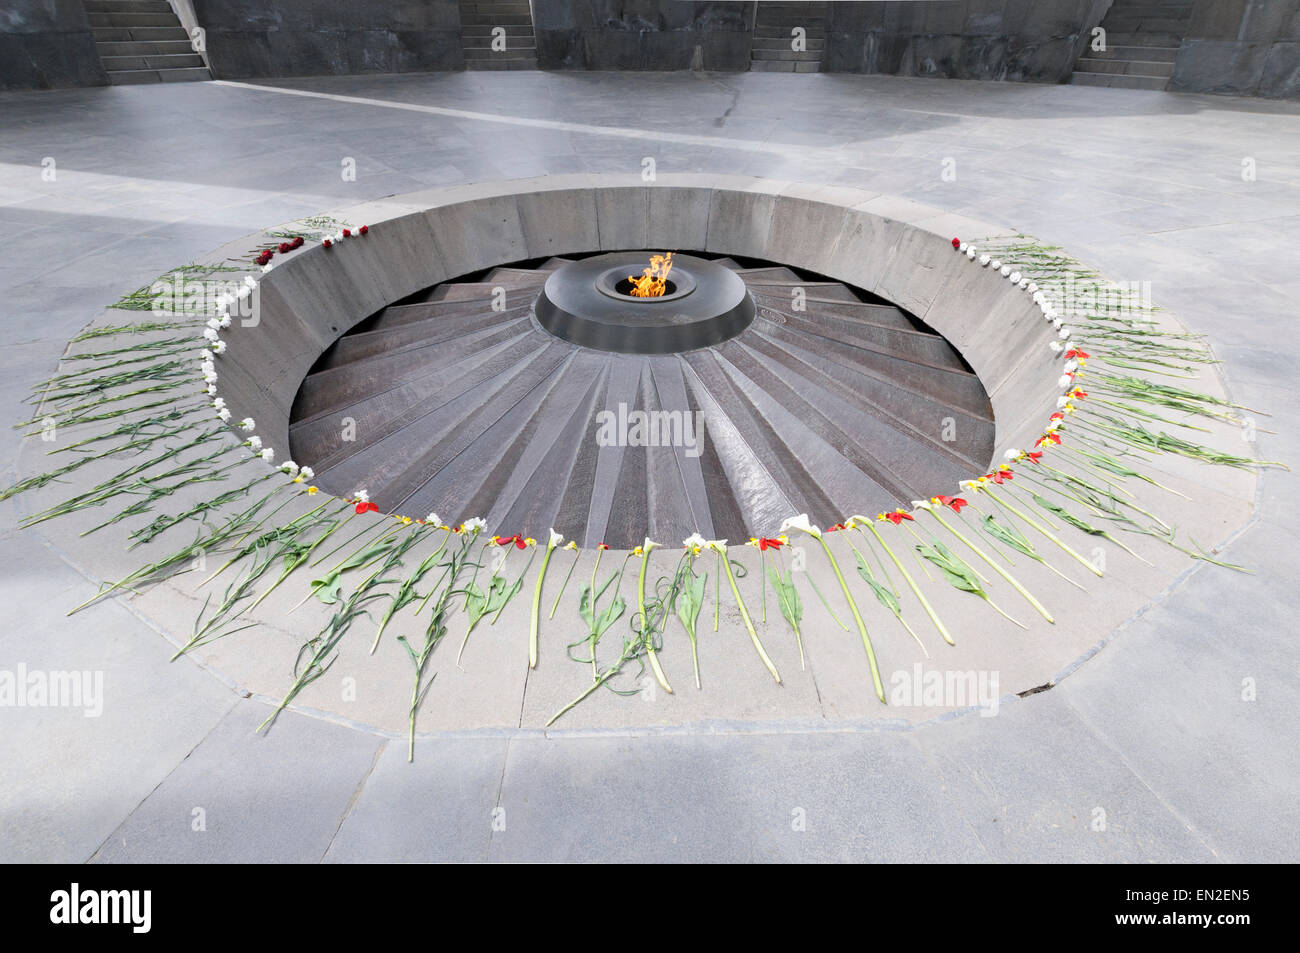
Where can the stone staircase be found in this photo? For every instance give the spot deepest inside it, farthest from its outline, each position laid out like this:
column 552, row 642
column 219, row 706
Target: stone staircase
column 478, row 18
column 1142, row 40
column 773, row 23
column 142, row 41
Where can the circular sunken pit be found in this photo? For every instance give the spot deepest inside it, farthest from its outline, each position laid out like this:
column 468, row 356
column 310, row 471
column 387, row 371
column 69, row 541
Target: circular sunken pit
column 540, row 396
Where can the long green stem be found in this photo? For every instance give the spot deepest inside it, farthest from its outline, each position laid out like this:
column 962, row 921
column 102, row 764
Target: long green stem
column 744, row 615
column 916, row 591
column 649, row 640
column 857, row 617
column 996, row 568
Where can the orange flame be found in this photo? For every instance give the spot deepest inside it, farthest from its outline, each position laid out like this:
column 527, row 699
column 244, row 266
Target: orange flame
column 653, row 282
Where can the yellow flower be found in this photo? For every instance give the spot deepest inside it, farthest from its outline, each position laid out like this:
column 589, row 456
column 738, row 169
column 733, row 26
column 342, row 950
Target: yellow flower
column 312, row 491
column 571, row 544
column 529, row 541
column 637, row 551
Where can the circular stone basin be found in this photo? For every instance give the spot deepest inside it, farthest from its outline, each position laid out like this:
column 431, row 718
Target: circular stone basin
column 586, row 303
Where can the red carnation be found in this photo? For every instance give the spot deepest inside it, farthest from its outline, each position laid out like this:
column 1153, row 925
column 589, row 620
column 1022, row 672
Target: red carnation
column 327, row 243
column 284, row 248
column 347, row 233
column 364, row 230
column 367, row 507
column 297, row 242
column 956, row 243
column 836, row 528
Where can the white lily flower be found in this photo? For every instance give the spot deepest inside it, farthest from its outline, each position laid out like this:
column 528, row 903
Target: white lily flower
column 555, row 540
column 717, row 545
column 800, row 524
column 922, row 505
column 434, row 520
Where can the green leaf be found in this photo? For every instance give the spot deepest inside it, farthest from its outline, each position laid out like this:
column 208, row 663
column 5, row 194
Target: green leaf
column 957, row 573
column 787, row 597
column 884, row 594
column 1068, row 517
column 1010, row 536
column 691, row 598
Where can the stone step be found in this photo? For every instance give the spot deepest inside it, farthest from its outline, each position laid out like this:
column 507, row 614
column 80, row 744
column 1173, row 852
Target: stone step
column 783, row 43
column 142, row 48
column 1129, row 67
column 505, row 19
column 150, row 34
column 160, row 62
column 129, row 20
column 1118, row 38
column 133, row 77
column 1118, row 81
column 811, row 27
column 129, row 6
column 1148, row 54
column 785, row 66
column 510, row 52
column 485, row 33
column 1145, row 25
column 523, row 63
column 814, row 56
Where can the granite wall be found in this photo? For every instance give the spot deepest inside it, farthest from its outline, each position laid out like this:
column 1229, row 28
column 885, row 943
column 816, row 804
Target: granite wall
column 257, row 38
column 643, row 34
column 46, row 44
column 1026, row 40
column 1241, row 47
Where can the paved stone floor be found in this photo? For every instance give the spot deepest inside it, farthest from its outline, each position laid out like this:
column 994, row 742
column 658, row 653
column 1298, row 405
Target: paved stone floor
column 1151, row 737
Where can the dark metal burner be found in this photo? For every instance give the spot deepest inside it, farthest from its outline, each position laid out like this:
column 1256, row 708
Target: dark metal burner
column 585, row 303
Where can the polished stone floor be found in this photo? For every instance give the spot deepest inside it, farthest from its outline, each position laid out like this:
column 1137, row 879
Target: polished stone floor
column 1149, row 752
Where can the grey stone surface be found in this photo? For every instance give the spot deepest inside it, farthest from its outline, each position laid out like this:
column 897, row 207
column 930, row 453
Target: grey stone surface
column 642, row 34
column 284, row 804
column 1140, row 184
column 964, row 39
column 320, row 37
column 1241, row 48
column 47, row 45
